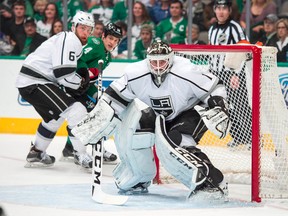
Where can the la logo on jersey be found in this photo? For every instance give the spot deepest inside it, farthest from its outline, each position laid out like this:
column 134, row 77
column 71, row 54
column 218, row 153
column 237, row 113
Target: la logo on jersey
column 162, row 105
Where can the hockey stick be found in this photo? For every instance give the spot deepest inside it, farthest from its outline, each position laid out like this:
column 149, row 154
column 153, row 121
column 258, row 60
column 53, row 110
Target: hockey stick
column 97, row 152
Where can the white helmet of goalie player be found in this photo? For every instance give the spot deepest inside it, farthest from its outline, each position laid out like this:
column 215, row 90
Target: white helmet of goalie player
column 83, row 26
column 160, row 59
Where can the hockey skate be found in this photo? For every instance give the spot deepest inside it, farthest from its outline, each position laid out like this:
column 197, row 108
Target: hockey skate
column 140, row 188
column 208, row 193
column 37, row 158
column 109, row 157
column 83, row 160
column 67, row 153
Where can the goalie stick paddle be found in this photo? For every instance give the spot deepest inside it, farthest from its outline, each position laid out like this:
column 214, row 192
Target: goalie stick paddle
column 97, row 153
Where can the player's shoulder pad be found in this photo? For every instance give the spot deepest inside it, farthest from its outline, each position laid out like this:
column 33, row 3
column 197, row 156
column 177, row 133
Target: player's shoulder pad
column 136, row 69
column 72, row 41
column 183, row 67
column 94, row 40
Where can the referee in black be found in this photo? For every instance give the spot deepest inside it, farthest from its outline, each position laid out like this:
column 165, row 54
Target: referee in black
column 226, row 31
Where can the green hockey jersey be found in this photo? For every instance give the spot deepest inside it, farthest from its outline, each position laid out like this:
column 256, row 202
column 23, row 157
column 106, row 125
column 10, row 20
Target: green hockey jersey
column 170, row 32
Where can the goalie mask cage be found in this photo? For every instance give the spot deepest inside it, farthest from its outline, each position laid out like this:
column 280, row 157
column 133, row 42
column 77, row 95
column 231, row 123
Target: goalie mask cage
column 255, row 152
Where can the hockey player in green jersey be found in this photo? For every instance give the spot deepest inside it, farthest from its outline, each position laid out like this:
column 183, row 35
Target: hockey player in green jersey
column 173, row 30
column 93, row 51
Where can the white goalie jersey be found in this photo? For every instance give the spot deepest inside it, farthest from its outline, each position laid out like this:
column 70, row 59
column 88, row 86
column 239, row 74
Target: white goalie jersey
column 58, row 66
column 185, row 86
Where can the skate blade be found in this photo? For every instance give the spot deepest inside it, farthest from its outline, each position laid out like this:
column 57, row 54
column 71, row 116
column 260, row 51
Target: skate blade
column 66, row 159
column 110, row 162
column 37, row 165
column 84, row 169
column 208, row 197
column 133, row 192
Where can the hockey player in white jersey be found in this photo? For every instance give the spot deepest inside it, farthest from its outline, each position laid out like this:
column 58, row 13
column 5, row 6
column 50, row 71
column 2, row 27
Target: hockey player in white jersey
column 167, row 101
column 41, row 80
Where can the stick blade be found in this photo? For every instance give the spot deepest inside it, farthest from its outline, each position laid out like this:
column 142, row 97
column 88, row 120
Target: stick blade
column 108, row 199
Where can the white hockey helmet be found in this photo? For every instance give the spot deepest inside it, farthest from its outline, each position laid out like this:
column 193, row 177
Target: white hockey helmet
column 160, row 59
column 83, row 18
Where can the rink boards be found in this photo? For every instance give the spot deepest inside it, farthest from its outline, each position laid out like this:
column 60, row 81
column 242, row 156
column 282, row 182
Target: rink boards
column 17, row 116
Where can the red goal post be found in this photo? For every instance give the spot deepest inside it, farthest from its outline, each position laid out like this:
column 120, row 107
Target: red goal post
column 261, row 147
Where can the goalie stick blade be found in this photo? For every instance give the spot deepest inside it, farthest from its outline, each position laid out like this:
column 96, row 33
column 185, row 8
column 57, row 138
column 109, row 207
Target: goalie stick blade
column 103, row 198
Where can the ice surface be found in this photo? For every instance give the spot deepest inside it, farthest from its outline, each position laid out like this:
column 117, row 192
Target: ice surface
column 65, row 189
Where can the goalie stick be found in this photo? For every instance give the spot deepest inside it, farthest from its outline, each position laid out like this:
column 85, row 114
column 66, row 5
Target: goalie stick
column 97, row 153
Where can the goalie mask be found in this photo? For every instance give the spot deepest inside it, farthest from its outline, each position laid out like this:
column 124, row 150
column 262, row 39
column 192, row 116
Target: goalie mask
column 160, row 59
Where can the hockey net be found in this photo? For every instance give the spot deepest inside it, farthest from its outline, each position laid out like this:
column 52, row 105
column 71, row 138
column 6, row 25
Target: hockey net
column 256, row 150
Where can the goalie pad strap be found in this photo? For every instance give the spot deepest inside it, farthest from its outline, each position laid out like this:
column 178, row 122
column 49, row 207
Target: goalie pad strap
column 183, row 165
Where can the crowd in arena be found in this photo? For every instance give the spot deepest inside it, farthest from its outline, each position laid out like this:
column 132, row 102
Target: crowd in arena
column 25, row 24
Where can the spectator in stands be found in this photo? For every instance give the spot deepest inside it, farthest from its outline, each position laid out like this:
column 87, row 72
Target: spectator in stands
column 32, row 40
column 120, row 11
column 39, row 9
column 5, row 15
column 6, row 45
column 103, row 11
column 209, row 15
column 14, row 27
column 57, row 26
column 194, row 35
column 140, row 17
column 146, row 39
column 160, row 11
column 259, row 10
column 98, row 29
column 173, row 30
column 198, row 8
column 268, row 35
column 73, row 7
column 282, row 43
column 50, row 15
column 29, row 12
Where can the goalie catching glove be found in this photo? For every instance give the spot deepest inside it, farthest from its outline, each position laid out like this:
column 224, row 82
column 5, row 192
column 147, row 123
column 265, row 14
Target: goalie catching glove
column 216, row 118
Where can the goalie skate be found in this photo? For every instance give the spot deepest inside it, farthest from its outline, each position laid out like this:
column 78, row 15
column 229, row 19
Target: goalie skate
column 109, row 157
column 37, row 158
column 140, row 188
column 83, row 160
column 208, row 193
column 67, row 154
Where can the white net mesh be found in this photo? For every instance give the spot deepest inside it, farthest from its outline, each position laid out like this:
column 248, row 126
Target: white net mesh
column 233, row 154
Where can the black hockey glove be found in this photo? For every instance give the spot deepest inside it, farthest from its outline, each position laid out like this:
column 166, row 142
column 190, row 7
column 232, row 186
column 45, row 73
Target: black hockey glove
column 218, row 101
column 83, row 72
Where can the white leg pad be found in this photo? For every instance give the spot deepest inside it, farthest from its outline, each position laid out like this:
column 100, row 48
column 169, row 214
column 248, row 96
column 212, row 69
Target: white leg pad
column 180, row 163
column 134, row 149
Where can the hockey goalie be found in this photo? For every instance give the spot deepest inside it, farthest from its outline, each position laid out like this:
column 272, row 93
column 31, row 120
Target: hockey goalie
column 167, row 101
